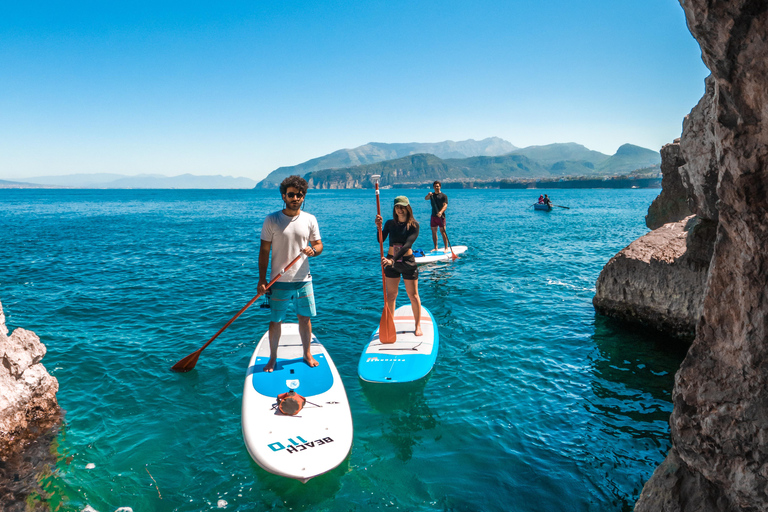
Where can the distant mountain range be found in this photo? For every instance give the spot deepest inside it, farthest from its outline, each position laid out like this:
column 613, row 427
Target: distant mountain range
column 399, row 164
column 378, row 152
column 535, row 162
column 142, row 181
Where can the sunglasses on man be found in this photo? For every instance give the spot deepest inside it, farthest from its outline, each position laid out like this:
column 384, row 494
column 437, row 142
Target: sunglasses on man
column 291, row 195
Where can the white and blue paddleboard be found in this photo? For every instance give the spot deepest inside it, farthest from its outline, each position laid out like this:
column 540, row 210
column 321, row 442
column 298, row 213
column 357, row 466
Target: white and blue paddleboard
column 410, row 358
column 319, row 437
column 439, row 255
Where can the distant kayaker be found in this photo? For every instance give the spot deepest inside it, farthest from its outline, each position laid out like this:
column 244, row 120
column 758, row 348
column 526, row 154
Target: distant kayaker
column 403, row 230
column 439, row 205
column 286, row 233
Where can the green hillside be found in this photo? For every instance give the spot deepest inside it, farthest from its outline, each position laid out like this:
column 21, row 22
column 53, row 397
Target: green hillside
column 425, row 168
column 628, row 158
column 379, row 152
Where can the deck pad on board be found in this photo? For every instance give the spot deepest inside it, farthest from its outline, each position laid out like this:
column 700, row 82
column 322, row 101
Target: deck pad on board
column 410, row 358
column 315, row 440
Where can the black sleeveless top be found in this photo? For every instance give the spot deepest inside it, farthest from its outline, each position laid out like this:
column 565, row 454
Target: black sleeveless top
column 400, row 234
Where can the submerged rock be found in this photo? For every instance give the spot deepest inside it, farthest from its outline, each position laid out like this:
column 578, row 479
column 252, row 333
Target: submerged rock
column 29, row 414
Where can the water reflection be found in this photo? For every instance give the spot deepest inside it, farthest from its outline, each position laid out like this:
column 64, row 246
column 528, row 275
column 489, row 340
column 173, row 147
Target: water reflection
column 407, row 411
column 295, row 495
column 633, row 373
column 640, row 360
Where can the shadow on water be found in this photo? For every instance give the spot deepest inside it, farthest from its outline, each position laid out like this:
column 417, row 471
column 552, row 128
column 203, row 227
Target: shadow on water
column 639, row 358
column 303, row 496
column 407, row 410
column 651, row 352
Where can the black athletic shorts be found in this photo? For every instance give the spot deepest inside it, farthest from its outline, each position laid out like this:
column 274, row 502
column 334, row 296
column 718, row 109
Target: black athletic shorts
column 406, row 268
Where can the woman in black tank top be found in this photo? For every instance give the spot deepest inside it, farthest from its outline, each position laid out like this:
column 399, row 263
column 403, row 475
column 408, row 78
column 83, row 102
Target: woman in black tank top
column 402, row 230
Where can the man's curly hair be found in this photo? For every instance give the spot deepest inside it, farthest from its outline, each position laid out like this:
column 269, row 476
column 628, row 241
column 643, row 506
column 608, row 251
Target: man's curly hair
column 296, row 182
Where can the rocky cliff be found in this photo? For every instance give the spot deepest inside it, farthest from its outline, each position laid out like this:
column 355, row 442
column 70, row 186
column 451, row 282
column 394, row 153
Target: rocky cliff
column 719, row 424
column 28, row 413
column 672, row 203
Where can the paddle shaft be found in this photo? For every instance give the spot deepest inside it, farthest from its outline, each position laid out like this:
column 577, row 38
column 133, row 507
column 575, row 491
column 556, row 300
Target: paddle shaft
column 183, row 366
column 387, row 331
column 381, row 242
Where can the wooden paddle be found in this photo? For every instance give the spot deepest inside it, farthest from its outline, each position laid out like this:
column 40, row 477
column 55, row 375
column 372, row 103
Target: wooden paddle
column 453, row 254
column 190, row 361
column 387, row 331
column 566, row 207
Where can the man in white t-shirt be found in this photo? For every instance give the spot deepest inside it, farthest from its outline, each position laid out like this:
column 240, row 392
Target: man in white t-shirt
column 288, row 233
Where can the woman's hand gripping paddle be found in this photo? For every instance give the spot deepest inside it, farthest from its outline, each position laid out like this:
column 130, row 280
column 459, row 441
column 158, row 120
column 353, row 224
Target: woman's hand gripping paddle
column 190, row 361
column 387, row 331
column 453, row 254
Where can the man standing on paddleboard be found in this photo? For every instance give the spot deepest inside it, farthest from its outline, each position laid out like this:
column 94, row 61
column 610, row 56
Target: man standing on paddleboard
column 288, row 233
column 439, row 205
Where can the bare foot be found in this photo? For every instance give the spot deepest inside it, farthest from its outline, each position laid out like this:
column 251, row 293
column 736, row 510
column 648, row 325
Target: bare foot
column 270, row 366
column 311, row 361
column 418, row 332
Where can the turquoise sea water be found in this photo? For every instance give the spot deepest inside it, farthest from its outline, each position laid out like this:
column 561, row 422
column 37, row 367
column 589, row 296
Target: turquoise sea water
column 535, row 403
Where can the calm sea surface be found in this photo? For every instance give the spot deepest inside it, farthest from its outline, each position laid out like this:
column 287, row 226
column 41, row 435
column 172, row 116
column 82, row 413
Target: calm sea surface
column 535, row 404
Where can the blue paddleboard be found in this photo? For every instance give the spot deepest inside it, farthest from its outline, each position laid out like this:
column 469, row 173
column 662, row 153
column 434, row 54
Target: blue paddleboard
column 410, row 358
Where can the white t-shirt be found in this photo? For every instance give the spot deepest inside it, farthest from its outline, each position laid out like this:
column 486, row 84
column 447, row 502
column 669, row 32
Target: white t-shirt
column 289, row 236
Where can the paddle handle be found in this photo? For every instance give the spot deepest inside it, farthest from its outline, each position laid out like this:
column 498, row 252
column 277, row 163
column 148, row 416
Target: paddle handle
column 274, row 279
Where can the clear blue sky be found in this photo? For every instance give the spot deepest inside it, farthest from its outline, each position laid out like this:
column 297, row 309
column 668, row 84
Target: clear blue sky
column 241, row 88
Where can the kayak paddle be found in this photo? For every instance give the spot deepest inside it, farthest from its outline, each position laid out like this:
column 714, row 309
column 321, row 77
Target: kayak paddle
column 387, row 331
column 190, row 361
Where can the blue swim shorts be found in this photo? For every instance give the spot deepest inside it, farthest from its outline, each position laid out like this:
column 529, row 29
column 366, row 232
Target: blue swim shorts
column 285, row 294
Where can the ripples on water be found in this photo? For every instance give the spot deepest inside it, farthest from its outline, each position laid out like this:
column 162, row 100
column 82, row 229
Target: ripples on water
column 535, row 404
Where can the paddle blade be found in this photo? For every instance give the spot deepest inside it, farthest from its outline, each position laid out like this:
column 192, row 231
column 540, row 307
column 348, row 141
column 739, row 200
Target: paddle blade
column 188, row 363
column 387, row 332
column 453, row 255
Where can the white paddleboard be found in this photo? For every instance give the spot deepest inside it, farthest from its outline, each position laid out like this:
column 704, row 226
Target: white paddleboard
column 410, row 358
column 440, row 255
column 319, row 437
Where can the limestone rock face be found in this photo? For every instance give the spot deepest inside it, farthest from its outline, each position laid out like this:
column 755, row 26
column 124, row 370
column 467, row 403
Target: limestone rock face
column 656, row 281
column 719, row 423
column 28, row 405
column 700, row 153
column 672, row 203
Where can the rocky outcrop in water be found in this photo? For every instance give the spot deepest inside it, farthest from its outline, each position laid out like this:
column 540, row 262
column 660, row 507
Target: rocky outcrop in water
column 28, row 403
column 29, row 413
column 657, row 281
column 719, row 424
